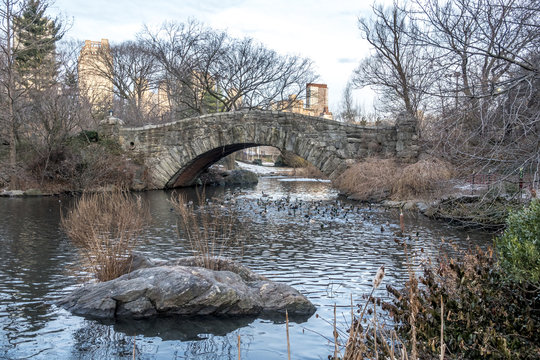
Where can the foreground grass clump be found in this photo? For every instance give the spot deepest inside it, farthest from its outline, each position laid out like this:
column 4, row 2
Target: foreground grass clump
column 376, row 179
column 210, row 228
column 519, row 246
column 486, row 314
column 106, row 227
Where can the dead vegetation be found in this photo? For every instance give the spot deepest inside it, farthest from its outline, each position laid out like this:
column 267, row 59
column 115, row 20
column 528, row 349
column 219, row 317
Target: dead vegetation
column 370, row 180
column 106, row 227
column 210, row 228
column 377, row 179
column 421, row 179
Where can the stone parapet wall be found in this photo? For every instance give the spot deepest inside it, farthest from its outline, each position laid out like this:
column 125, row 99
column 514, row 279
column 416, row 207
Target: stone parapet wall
column 177, row 152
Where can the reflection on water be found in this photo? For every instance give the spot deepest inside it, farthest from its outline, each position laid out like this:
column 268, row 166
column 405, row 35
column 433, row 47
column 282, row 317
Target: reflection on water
column 296, row 232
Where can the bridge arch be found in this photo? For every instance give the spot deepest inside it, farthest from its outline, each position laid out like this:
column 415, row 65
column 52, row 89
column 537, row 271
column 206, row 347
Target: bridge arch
column 176, row 153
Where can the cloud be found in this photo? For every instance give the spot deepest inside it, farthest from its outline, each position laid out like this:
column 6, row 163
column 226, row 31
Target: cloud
column 347, row 60
column 322, row 30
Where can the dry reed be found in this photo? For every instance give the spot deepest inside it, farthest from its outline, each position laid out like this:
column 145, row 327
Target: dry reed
column 106, row 227
column 370, row 180
column 239, row 348
column 377, row 342
column 422, row 178
column 208, row 227
column 376, row 179
column 287, row 330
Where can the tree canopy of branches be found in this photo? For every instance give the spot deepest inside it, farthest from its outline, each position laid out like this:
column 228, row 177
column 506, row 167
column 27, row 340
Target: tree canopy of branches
column 206, row 71
column 397, row 68
column 472, row 67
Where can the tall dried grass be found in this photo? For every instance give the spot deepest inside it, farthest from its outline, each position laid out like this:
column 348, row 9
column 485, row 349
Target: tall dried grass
column 422, row 178
column 369, row 180
column 376, row 179
column 209, row 227
column 106, row 227
column 373, row 339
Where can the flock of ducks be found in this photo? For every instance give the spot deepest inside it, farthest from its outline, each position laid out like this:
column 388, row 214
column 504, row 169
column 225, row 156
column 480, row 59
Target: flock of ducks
column 323, row 213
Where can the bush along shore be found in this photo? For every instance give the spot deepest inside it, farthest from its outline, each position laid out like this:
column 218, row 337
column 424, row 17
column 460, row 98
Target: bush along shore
column 437, row 189
column 473, row 305
column 81, row 162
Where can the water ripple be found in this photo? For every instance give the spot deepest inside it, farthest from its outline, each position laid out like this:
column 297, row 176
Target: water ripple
column 301, row 234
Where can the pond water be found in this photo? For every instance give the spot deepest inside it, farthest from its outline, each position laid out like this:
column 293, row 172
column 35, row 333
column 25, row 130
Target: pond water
column 295, row 231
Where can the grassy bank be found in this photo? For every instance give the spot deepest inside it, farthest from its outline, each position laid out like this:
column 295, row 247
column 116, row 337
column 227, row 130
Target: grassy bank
column 438, row 183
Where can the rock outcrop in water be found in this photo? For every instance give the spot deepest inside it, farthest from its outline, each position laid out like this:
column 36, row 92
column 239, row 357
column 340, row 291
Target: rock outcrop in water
column 188, row 290
column 217, row 177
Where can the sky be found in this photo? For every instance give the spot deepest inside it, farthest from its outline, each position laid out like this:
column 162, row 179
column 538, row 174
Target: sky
column 323, row 30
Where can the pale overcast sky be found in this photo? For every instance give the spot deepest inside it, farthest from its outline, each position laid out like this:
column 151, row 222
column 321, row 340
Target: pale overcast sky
column 324, row 30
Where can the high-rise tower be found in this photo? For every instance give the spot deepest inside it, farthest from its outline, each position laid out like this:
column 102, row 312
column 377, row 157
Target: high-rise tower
column 95, row 74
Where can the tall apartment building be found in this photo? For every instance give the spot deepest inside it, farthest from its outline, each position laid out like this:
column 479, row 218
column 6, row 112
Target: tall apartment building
column 317, row 99
column 95, row 83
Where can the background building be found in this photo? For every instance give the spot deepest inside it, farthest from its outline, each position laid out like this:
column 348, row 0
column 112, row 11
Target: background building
column 95, row 74
column 316, row 105
column 316, row 102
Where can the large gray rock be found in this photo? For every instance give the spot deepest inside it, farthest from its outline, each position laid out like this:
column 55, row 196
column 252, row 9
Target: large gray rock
column 216, row 177
column 186, row 290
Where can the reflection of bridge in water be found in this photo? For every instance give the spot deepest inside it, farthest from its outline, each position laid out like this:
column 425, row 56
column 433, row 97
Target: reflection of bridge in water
column 176, row 153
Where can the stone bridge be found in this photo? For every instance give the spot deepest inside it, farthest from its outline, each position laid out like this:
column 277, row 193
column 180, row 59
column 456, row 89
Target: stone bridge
column 177, row 153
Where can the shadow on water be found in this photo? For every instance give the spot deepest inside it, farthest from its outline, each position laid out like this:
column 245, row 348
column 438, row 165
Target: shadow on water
column 193, row 328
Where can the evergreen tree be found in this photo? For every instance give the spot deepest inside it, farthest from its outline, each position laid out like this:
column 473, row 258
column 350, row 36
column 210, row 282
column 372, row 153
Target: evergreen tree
column 36, row 37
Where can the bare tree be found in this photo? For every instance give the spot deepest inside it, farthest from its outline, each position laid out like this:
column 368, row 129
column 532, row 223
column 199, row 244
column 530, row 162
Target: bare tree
column 132, row 71
column 489, row 117
column 10, row 93
column 472, row 67
column 348, row 111
column 399, row 69
column 28, row 67
column 54, row 114
column 209, row 71
column 251, row 76
column 179, row 49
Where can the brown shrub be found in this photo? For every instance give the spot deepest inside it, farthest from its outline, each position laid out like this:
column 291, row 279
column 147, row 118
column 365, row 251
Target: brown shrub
column 486, row 314
column 421, row 179
column 369, row 180
column 69, row 168
column 106, row 227
column 376, row 179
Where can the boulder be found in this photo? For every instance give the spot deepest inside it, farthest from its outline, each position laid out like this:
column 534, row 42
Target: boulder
column 218, row 177
column 186, row 289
